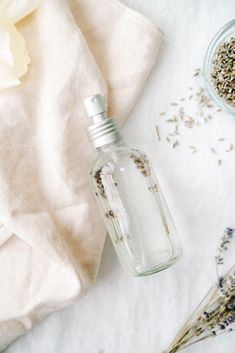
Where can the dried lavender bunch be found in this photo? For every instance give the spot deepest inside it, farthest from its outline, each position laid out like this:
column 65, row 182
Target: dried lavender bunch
column 223, row 73
column 216, row 313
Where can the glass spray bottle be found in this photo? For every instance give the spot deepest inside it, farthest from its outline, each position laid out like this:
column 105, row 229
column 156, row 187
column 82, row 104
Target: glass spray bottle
column 130, row 198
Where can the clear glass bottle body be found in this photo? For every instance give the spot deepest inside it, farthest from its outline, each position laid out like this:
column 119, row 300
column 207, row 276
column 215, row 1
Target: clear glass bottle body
column 134, row 210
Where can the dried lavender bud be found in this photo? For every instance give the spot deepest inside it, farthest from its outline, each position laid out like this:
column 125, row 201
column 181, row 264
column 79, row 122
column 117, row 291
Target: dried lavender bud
column 109, row 214
column 158, row 133
column 99, row 182
column 143, row 164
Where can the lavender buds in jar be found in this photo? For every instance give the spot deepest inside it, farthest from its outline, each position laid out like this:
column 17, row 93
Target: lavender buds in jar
column 223, row 71
column 219, row 68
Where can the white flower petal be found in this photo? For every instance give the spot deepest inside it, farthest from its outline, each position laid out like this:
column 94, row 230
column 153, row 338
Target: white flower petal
column 5, row 42
column 14, row 59
column 15, row 10
column 19, row 51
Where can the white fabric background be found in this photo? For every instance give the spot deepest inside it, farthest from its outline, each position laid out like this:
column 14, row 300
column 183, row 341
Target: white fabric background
column 125, row 315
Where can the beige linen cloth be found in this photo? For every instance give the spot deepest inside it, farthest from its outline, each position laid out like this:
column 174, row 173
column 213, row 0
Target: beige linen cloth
column 51, row 235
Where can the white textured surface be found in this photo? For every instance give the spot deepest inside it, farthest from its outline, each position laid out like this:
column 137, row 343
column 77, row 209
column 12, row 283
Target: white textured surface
column 126, row 315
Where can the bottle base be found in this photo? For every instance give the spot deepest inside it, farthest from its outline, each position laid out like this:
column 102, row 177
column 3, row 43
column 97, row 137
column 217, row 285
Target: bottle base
column 155, row 268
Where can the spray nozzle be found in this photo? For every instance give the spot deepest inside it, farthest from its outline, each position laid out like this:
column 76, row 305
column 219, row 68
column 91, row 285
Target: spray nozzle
column 94, row 105
column 103, row 130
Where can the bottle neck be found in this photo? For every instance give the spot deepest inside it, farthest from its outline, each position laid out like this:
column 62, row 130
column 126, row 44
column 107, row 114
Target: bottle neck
column 111, row 146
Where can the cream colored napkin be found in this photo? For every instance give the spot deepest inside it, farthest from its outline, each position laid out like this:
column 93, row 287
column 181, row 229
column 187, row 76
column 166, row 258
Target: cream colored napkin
column 51, row 236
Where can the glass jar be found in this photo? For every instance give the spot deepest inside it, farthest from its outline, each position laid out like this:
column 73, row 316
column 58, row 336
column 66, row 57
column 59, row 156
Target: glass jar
column 221, row 36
